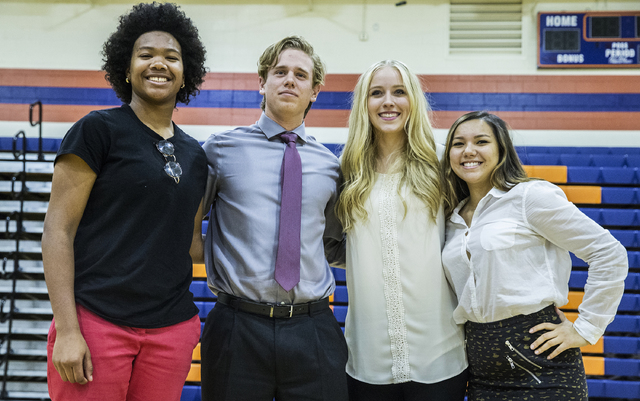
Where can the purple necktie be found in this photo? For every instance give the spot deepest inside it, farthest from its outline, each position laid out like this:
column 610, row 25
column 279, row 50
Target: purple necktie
column 288, row 256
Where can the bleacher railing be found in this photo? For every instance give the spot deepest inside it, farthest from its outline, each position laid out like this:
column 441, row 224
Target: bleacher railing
column 39, row 124
column 19, row 154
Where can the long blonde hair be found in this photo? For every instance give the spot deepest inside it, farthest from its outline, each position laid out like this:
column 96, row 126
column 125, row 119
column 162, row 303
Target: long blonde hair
column 419, row 162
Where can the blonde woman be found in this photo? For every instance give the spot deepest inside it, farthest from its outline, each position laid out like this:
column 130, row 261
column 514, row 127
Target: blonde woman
column 403, row 342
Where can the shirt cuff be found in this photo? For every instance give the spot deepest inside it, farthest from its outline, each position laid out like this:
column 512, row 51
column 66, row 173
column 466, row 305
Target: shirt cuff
column 588, row 331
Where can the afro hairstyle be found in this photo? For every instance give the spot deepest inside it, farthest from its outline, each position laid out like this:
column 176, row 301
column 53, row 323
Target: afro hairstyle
column 147, row 17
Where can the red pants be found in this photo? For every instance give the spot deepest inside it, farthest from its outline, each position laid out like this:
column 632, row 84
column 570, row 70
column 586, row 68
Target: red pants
column 129, row 364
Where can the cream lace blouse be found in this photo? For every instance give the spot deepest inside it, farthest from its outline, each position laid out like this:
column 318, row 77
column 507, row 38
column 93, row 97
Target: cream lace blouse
column 400, row 325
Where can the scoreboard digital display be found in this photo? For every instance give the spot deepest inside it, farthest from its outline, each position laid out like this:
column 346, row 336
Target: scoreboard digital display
column 589, row 39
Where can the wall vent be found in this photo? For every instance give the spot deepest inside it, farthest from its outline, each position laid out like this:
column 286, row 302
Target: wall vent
column 492, row 26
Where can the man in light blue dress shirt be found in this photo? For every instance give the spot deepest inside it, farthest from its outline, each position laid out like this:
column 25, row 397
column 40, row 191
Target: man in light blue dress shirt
column 262, row 342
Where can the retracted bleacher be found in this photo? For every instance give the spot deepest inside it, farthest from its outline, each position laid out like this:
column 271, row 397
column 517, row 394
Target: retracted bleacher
column 603, row 183
column 25, row 185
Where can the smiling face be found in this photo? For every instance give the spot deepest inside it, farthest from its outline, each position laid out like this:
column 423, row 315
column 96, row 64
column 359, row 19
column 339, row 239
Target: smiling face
column 388, row 102
column 156, row 71
column 474, row 154
column 289, row 89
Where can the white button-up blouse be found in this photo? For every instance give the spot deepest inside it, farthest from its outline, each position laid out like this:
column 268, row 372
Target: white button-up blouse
column 518, row 242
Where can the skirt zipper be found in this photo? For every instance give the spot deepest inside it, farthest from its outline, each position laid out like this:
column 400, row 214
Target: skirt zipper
column 514, row 364
column 512, row 348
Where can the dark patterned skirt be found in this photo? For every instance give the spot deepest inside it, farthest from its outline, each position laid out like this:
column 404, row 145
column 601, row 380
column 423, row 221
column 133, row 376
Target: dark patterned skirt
column 503, row 367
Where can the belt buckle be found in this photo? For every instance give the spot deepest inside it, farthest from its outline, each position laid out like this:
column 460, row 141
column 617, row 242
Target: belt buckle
column 272, row 308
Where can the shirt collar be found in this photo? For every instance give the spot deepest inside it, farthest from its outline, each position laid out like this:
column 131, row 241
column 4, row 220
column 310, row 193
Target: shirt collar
column 271, row 128
column 496, row 193
column 493, row 193
column 455, row 215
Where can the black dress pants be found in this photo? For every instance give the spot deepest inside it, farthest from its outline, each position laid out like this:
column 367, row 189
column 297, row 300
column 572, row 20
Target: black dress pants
column 248, row 357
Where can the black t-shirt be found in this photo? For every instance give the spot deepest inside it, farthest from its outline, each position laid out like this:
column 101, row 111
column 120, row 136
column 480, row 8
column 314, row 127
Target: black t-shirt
column 132, row 263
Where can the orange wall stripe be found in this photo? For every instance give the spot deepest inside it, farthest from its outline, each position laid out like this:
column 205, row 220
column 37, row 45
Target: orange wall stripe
column 231, row 81
column 552, row 120
column 196, row 353
column 571, row 316
column 575, row 299
column 194, row 373
column 199, row 270
column 597, row 348
column 238, row 117
column 582, row 194
column 182, row 116
column 53, row 78
column 555, row 174
column 339, row 118
column 593, row 365
column 50, row 112
column 532, row 83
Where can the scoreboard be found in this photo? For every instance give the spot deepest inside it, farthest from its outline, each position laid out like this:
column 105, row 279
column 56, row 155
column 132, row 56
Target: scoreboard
column 589, row 39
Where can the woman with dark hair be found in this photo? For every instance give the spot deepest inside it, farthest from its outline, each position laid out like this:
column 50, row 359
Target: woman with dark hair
column 506, row 256
column 122, row 223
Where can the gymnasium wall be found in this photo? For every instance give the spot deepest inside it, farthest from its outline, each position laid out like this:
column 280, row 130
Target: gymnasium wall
column 52, row 54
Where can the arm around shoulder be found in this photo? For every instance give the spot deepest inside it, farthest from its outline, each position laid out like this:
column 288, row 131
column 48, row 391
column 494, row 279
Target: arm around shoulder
column 197, row 243
column 335, row 241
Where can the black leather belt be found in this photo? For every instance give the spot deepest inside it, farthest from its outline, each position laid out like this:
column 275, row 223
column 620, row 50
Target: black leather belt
column 271, row 310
